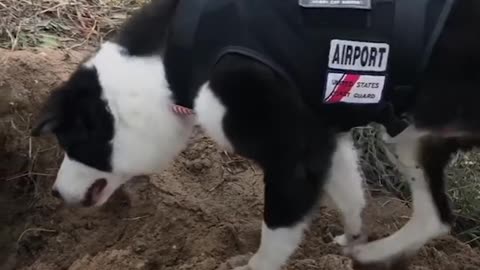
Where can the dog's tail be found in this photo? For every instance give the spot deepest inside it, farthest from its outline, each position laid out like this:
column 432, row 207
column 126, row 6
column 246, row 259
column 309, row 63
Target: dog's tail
column 146, row 30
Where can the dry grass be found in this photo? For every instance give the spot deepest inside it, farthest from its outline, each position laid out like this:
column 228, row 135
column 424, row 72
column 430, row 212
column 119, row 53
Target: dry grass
column 464, row 190
column 60, row 23
column 380, row 173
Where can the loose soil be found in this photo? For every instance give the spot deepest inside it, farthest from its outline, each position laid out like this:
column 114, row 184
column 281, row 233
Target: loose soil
column 205, row 208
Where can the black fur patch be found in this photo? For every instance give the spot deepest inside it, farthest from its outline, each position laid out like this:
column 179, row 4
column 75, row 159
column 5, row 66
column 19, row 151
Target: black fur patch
column 144, row 33
column 82, row 123
column 267, row 121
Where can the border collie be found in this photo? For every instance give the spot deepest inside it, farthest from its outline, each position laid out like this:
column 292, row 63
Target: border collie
column 125, row 112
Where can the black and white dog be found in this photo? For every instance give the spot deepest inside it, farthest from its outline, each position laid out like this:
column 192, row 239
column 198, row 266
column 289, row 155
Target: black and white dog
column 272, row 81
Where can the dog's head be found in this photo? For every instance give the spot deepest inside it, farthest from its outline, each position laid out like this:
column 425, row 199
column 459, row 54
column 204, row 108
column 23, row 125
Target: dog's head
column 80, row 118
column 112, row 119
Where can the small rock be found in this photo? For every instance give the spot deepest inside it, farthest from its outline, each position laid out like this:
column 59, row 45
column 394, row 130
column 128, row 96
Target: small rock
column 231, row 178
column 197, row 164
column 140, row 265
column 139, row 247
column 89, row 225
column 207, row 163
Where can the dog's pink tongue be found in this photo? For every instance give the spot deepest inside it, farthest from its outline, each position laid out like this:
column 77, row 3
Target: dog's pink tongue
column 97, row 189
column 95, row 192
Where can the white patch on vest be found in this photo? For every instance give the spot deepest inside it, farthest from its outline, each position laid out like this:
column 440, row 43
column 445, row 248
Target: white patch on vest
column 358, row 56
column 353, row 88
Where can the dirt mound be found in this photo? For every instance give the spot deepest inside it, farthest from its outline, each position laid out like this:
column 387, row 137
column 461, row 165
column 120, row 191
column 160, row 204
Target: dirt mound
column 25, row 80
column 205, row 208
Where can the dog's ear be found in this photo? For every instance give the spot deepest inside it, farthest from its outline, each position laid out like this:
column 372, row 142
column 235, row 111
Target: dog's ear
column 51, row 114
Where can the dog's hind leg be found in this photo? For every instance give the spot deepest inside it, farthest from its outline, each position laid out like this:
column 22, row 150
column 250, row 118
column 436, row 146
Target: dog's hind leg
column 247, row 106
column 345, row 189
column 423, row 160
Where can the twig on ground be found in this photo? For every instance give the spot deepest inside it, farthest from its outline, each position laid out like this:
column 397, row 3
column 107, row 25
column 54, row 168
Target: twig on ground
column 33, row 230
column 136, row 218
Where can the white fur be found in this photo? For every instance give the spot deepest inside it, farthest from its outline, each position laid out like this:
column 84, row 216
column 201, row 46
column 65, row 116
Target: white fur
column 276, row 247
column 74, row 179
column 148, row 134
column 345, row 188
column 210, row 113
column 424, row 225
column 137, row 92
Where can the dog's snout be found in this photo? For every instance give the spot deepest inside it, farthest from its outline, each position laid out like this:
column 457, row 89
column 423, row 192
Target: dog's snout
column 56, row 194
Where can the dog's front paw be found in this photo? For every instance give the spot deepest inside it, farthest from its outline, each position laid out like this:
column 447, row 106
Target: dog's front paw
column 341, row 240
column 345, row 240
column 370, row 256
column 363, row 253
column 370, row 253
column 239, row 262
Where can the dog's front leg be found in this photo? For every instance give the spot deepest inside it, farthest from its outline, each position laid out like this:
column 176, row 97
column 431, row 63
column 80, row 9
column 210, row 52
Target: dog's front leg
column 276, row 246
column 290, row 195
column 264, row 119
column 345, row 188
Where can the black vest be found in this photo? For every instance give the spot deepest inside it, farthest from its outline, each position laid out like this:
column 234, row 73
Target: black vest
column 359, row 63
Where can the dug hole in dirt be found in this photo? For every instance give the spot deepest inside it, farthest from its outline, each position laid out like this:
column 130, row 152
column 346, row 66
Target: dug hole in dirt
column 205, row 208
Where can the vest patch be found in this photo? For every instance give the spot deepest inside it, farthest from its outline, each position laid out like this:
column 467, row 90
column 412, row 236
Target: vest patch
column 356, row 4
column 358, row 56
column 354, row 88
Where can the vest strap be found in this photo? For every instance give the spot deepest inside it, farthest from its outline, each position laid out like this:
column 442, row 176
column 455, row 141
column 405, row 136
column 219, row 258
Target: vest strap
column 417, row 27
column 408, row 39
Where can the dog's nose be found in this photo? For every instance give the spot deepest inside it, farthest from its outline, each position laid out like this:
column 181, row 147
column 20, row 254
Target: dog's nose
column 56, row 194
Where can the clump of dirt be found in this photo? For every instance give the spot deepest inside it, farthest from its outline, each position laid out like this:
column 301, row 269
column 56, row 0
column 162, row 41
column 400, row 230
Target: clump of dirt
column 202, row 210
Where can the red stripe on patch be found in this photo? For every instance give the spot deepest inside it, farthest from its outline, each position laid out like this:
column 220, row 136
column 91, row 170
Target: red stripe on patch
column 342, row 89
column 180, row 110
